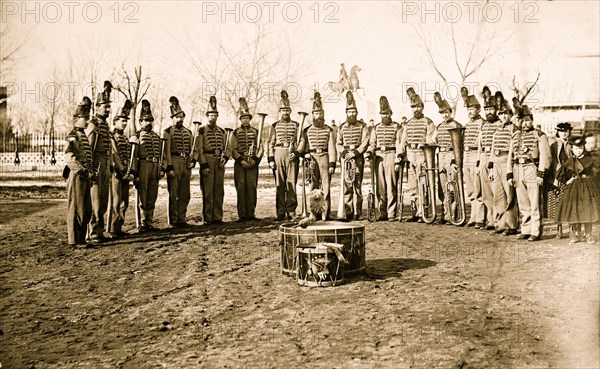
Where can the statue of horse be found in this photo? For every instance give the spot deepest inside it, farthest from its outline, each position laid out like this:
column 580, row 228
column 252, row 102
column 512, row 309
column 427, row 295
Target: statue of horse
column 354, row 84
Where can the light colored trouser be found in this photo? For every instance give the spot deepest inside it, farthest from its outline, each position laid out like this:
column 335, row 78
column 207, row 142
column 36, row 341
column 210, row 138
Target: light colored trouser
column 246, row 182
column 473, row 187
column 354, row 191
column 99, row 194
column 79, row 208
column 179, row 191
column 505, row 217
column 528, row 196
column 447, row 174
column 415, row 158
column 387, row 183
column 120, row 203
column 148, row 190
column 213, row 190
column 487, row 196
column 321, row 179
column 286, row 200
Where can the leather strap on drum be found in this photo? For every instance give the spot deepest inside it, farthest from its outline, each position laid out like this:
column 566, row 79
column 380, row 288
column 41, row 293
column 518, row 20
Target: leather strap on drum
column 335, row 247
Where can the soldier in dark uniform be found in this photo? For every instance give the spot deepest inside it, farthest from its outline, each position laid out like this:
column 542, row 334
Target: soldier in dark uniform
column 446, row 162
column 281, row 142
column 78, row 158
column 149, row 168
column 317, row 147
column 181, row 158
column 247, row 156
column 416, row 133
column 489, row 126
column 213, row 158
column 529, row 158
column 504, row 201
column 120, row 175
column 471, row 158
column 385, row 149
column 98, row 133
column 352, row 142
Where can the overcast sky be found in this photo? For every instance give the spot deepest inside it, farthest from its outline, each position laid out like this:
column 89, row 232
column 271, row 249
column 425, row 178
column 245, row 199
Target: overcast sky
column 552, row 37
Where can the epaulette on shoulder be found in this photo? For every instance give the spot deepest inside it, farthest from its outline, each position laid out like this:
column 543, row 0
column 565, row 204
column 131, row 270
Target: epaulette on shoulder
column 71, row 138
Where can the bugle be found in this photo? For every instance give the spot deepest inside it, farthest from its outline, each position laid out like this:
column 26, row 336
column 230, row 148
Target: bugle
column 296, row 144
column 162, row 155
column 426, row 185
column 225, row 146
column 455, row 189
column 340, row 210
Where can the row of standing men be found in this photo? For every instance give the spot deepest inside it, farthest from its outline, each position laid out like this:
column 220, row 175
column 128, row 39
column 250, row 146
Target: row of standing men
column 103, row 163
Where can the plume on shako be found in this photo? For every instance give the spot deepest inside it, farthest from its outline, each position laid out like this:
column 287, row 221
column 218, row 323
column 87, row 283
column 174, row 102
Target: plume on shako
column 502, row 104
column 83, row 108
column 414, row 98
column 488, row 99
column 212, row 105
column 317, row 103
column 384, row 106
column 124, row 111
column 285, row 101
column 464, row 93
column 244, row 109
column 175, row 107
column 442, row 104
column 350, row 102
column 517, row 105
column 104, row 96
column 146, row 112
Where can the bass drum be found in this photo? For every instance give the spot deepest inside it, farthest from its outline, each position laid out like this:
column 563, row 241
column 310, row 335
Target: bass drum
column 350, row 235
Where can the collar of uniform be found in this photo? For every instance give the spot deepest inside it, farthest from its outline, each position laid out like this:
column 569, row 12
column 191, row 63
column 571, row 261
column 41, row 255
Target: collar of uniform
column 119, row 131
column 476, row 118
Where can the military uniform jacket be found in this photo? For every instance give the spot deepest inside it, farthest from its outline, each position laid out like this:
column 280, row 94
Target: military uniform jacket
column 121, row 150
column 418, row 131
column 352, row 137
column 318, row 141
column 283, row 134
column 179, row 141
column 148, row 149
column 440, row 135
column 385, row 138
column 78, row 152
column 472, row 134
column 529, row 147
column 242, row 140
column 501, row 139
column 98, row 134
column 212, row 142
column 486, row 135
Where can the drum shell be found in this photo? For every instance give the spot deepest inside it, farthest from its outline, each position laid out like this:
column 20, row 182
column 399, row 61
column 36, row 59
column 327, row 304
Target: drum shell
column 310, row 260
column 351, row 235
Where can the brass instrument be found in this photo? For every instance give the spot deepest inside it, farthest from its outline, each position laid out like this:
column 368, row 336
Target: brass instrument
column 162, row 155
column 227, row 137
column 371, row 200
column 400, row 194
column 296, row 144
column 134, row 152
column 274, row 170
column 197, row 128
column 455, row 189
column 426, row 184
column 253, row 151
column 340, row 210
column 350, row 172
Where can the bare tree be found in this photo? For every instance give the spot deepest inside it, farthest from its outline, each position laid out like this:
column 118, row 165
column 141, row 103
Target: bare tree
column 133, row 87
column 477, row 44
column 12, row 42
column 255, row 64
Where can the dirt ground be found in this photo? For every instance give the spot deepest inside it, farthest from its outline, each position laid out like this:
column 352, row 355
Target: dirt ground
column 213, row 297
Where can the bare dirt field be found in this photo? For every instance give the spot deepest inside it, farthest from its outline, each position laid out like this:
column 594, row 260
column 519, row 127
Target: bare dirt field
column 213, row 297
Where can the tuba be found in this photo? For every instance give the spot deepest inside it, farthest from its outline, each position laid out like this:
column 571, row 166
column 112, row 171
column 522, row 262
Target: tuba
column 426, row 185
column 455, row 189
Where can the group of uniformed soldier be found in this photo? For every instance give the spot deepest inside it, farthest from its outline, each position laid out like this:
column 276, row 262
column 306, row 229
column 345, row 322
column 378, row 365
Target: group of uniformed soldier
column 504, row 162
